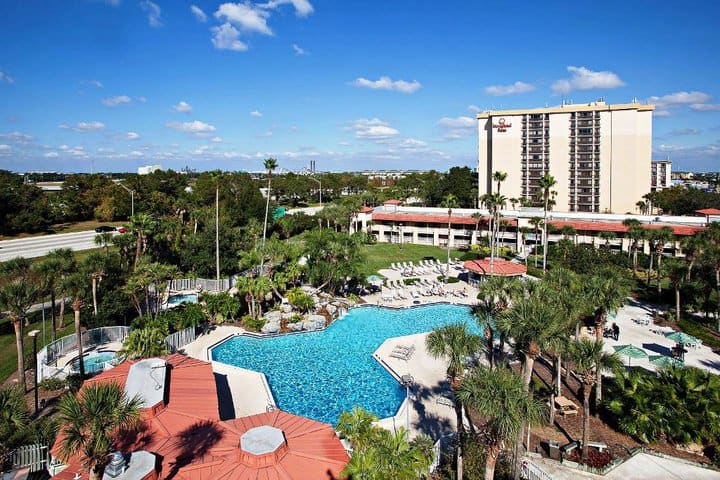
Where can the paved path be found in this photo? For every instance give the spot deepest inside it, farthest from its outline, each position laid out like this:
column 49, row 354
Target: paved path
column 32, row 247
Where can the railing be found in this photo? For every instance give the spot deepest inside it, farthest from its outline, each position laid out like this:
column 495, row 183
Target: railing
column 179, row 339
column 181, row 284
column 47, row 357
column 531, row 471
column 33, row 456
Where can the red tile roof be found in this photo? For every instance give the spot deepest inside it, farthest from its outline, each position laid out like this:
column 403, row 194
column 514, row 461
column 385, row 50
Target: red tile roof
column 620, row 228
column 419, row 218
column 392, row 202
column 501, row 267
column 708, row 211
column 193, row 444
column 366, row 209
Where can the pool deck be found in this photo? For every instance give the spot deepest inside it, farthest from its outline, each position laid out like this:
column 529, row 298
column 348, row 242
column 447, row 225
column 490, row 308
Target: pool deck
column 63, row 361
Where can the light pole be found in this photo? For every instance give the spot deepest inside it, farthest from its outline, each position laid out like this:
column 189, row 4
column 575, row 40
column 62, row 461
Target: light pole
column 400, row 234
column 407, row 381
column 320, row 187
column 132, row 198
column 34, row 334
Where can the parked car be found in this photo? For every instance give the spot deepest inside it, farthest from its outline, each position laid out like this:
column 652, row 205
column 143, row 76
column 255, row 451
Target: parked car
column 104, row 228
column 122, row 230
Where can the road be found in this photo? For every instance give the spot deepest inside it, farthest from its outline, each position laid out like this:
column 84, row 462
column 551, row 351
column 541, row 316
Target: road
column 32, row 247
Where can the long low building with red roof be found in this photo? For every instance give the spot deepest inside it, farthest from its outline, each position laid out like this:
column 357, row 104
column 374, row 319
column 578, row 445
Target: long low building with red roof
column 181, row 428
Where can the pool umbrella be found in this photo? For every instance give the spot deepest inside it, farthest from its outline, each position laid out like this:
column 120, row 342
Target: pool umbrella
column 663, row 361
column 681, row 337
column 631, row 351
column 375, row 280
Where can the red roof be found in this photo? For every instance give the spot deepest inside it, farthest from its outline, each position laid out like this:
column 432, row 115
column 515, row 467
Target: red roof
column 193, row 444
column 501, row 267
column 620, row 228
column 366, row 209
column 708, row 211
column 392, row 202
column 419, row 218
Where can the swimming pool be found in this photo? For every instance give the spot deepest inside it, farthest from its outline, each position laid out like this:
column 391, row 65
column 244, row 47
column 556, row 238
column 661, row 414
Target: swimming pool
column 177, row 299
column 321, row 374
column 94, row 361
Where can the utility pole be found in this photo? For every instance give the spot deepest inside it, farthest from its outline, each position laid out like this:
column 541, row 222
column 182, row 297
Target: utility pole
column 217, row 231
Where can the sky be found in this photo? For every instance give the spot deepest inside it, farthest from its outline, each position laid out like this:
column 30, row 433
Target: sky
column 111, row 85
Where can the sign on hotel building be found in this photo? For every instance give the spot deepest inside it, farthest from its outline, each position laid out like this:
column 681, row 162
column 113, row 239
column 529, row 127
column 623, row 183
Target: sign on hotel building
column 599, row 154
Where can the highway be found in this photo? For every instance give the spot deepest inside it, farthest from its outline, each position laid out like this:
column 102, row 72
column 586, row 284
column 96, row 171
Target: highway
column 32, row 247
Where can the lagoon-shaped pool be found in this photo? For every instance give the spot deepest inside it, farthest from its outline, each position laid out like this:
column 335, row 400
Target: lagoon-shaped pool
column 321, row 374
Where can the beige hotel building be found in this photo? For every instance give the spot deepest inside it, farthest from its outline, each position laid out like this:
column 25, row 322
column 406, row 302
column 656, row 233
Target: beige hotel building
column 599, row 154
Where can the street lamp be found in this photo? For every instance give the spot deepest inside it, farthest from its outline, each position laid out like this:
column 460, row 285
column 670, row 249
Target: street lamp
column 34, row 334
column 407, row 380
column 400, row 234
column 320, row 187
column 132, row 198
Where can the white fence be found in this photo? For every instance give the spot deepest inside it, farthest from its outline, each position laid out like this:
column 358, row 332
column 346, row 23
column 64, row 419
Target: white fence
column 182, row 284
column 33, row 456
column 47, row 357
column 531, row 471
column 179, row 339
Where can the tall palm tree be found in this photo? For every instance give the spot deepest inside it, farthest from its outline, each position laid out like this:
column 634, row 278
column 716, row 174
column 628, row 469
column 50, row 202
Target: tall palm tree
column 270, row 164
column 676, row 270
column 499, row 396
column 76, row 287
column 104, row 239
column 141, row 225
column 95, row 266
column 693, row 247
column 449, row 202
column 91, row 422
column 607, row 236
column 49, row 271
column 19, row 289
column 494, row 297
column 537, row 223
column 454, row 343
column 524, row 231
column 499, row 177
column 635, row 233
column 663, row 235
column 546, row 183
column 590, row 361
column 65, row 264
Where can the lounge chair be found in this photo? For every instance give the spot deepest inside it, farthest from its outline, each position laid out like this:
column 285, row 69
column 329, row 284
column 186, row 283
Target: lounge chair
column 401, row 355
column 446, row 398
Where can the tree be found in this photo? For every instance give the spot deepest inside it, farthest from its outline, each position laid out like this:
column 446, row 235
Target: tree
column 693, row 247
column 19, row 288
column 75, row 286
column 92, row 421
column 635, row 233
column 104, row 239
column 607, row 236
column 454, row 343
column 141, row 225
column 537, row 224
column 676, row 270
column 95, row 265
column 449, row 202
column 50, row 270
column 14, row 418
column 524, row 231
column 499, row 396
column 146, row 342
column 494, row 297
column 661, row 236
column 332, row 258
column 546, row 183
column 590, row 361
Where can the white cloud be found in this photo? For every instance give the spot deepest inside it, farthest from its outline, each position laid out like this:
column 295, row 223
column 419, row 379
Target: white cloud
column 93, row 83
column 50, row 155
column 664, row 105
column 153, row 12
column 4, row 77
column 387, row 83
column 705, row 107
column 4, row 147
column 582, row 78
column 216, row 140
column 227, row 37
column 16, row 137
column 458, row 127
column 195, row 127
column 136, row 153
column 256, row 113
column 473, row 108
column 512, row 89
column 303, row 8
column 116, row 101
column 83, row 127
column 199, row 14
column 182, row 107
column 132, row 136
column 374, row 129
column 246, row 16
column 141, row 99
column 298, row 50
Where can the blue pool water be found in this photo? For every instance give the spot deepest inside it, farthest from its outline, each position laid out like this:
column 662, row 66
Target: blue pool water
column 182, row 298
column 94, row 361
column 321, row 374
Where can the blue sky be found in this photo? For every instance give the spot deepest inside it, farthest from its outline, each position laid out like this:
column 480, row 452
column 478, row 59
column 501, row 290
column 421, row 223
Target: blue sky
column 115, row 84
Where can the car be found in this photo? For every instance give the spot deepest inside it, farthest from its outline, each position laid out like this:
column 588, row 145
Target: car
column 104, row 228
column 122, row 230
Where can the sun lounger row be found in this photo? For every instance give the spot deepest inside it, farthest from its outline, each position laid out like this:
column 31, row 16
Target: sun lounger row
column 397, row 290
column 403, row 352
column 424, row 267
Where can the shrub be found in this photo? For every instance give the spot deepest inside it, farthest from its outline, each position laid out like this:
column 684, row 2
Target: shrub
column 252, row 324
column 295, row 318
column 300, row 300
column 74, row 382
column 53, row 383
column 222, row 306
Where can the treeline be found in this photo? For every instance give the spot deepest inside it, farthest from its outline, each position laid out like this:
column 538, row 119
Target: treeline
column 681, row 200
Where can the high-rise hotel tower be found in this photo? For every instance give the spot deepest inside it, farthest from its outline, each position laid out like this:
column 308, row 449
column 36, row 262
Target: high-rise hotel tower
column 599, row 154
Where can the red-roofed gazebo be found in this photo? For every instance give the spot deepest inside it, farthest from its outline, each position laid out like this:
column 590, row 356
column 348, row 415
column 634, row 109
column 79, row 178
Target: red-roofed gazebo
column 500, row 267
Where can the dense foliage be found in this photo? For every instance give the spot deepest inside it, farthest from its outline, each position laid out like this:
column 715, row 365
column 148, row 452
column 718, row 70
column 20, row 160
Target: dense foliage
column 681, row 200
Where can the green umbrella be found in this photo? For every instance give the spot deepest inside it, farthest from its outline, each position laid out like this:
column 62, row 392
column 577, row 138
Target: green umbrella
column 375, row 279
column 631, row 351
column 664, row 361
column 681, row 337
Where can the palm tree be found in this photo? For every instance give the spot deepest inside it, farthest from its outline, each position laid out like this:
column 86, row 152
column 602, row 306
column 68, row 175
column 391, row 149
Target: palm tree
column 75, row 286
column 568, row 231
column 499, row 177
column 449, row 202
column 104, row 239
column 95, row 265
column 693, row 247
column 537, row 223
column 499, row 396
column 524, row 231
column 663, row 235
column 18, row 291
column 145, row 342
column 641, row 206
column 49, row 271
column 590, row 361
column 676, row 270
column 91, row 423
column 606, row 291
column 494, row 297
column 65, row 263
column 635, row 233
column 270, row 165
column 546, row 183
column 141, row 225
column 607, row 236
column 454, row 343
column 14, row 418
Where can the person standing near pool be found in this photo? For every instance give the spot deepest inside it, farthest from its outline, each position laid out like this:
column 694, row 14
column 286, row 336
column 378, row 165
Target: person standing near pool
column 616, row 331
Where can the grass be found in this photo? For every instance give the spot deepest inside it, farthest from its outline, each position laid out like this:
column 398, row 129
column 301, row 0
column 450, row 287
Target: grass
column 8, row 350
column 70, row 227
column 698, row 330
column 381, row 255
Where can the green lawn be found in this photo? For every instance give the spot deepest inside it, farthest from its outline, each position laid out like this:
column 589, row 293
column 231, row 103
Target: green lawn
column 8, row 350
column 693, row 327
column 381, row 255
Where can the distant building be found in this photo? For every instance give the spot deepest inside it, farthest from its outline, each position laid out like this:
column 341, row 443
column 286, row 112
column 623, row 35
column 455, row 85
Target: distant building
column 599, row 154
column 148, row 169
column 660, row 175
